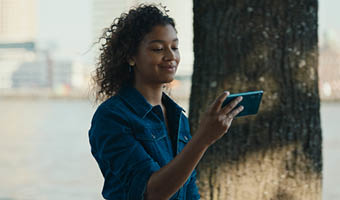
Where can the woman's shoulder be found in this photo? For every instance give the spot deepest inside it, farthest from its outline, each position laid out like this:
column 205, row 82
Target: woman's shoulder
column 110, row 116
column 112, row 106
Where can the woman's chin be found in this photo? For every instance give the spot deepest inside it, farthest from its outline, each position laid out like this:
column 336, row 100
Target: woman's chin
column 169, row 79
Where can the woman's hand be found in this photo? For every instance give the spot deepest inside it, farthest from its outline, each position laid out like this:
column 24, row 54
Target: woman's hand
column 216, row 121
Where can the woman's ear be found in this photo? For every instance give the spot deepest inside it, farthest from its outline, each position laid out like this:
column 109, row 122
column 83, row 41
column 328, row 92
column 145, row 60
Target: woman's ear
column 131, row 62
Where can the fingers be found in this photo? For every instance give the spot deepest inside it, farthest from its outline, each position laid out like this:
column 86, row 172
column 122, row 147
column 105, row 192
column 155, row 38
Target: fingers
column 219, row 101
column 235, row 112
column 230, row 116
column 229, row 107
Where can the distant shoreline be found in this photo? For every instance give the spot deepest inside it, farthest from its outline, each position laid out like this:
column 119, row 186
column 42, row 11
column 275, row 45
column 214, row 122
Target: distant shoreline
column 45, row 94
column 86, row 96
column 75, row 97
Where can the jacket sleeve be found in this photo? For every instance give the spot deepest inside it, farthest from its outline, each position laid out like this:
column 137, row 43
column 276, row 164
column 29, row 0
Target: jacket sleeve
column 115, row 148
column 192, row 190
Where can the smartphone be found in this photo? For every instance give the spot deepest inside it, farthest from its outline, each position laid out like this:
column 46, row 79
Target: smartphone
column 250, row 102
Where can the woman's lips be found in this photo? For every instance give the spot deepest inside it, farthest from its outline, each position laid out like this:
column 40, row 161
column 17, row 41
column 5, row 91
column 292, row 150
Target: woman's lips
column 170, row 68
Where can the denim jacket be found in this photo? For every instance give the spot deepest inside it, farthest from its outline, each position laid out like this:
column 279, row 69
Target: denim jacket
column 130, row 141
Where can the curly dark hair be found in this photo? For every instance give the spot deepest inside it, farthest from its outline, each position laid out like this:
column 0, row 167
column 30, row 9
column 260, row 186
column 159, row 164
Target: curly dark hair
column 120, row 42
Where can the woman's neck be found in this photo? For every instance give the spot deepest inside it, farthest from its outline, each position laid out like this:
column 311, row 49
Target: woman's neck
column 152, row 93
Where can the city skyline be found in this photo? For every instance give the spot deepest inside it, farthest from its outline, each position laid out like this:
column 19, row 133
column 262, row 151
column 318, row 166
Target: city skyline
column 32, row 45
column 71, row 33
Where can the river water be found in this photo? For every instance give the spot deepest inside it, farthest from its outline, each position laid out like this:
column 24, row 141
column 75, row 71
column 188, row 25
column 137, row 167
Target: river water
column 44, row 150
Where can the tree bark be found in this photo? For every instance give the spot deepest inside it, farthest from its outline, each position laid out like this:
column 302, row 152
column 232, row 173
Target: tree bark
column 243, row 45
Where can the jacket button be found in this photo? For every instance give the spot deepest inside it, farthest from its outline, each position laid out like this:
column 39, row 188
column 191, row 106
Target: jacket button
column 185, row 137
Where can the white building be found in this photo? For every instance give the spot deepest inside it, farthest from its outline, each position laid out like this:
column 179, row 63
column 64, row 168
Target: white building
column 18, row 21
column 17, row 36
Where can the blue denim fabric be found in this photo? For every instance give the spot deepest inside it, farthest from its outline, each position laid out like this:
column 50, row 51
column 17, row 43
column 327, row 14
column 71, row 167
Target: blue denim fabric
column 130, row 141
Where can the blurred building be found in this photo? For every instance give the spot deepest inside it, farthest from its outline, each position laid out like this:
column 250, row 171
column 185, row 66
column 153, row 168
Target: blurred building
column 17, row 37
column 61, row 76
column 10, row 60
column 104, row 11
column 41, row 71
column 329, row 72
column 30, row 75
column 18, row 21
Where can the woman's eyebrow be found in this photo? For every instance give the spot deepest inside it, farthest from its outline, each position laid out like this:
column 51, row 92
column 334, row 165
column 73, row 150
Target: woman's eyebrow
column 162, row 41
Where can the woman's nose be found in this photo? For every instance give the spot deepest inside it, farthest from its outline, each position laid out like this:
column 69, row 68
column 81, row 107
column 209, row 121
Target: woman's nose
column 170, row 55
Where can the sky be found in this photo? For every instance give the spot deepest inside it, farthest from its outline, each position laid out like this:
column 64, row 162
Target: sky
column 65, row 25
column 329, row 18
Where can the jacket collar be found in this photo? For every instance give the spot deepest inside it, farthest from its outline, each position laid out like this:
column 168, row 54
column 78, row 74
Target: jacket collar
column 169, row 103
column 140, row 105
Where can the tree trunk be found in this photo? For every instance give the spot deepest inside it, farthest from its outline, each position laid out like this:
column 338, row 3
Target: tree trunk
column 264, row 45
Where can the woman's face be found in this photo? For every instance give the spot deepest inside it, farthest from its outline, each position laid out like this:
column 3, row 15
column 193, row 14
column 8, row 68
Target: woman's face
column 157, row 57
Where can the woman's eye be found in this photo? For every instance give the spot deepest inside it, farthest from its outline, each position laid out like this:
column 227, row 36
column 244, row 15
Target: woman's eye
column 175, row 48
column 157, row 49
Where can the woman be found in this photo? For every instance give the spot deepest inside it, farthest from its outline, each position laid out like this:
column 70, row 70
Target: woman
column 139, row 136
